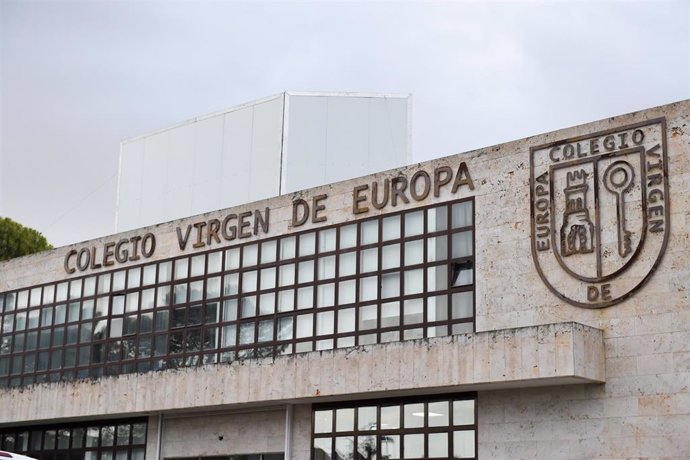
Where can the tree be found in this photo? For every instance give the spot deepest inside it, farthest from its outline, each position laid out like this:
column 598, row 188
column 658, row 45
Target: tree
column 17, row 240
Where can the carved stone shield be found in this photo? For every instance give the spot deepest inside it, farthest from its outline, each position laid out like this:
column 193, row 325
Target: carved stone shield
column 600, row 212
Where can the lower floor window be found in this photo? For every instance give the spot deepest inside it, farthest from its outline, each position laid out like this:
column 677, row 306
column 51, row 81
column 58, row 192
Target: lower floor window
column 432, row 427
column 111, row 440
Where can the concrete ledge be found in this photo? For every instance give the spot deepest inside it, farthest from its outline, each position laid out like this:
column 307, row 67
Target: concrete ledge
column 553, row 354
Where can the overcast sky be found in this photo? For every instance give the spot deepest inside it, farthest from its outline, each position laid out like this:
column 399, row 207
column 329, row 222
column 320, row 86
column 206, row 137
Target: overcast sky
column 76, row 78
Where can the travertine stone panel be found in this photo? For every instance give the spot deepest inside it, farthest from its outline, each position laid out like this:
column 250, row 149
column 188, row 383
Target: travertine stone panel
column 531, row 356
column 224, row 434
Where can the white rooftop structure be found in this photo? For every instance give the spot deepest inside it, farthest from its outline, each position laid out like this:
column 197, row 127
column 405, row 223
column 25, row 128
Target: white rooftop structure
column 272, row 146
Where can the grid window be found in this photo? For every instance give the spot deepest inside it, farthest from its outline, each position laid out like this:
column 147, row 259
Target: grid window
column 401, row 276
column 410, row 428
column 122, row 439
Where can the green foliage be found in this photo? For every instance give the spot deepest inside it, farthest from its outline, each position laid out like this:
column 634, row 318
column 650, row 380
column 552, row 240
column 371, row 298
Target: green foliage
column 17, row 240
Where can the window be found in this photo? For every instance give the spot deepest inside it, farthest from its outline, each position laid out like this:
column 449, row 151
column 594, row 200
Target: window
column 399, row 276
column 411, row 428
column 118, row 439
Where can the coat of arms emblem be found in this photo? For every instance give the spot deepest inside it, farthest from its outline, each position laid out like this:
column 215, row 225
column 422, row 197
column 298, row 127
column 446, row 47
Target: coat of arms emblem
column 600, row 212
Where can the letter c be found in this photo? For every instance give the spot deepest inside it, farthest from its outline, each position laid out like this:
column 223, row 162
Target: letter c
column 69, row 255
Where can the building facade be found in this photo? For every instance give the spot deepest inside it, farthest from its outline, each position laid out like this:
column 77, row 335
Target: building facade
column 527, row 300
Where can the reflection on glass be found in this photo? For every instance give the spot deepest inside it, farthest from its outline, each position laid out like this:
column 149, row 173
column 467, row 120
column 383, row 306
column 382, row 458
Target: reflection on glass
column 367, row 318
column 249, row 280
column 181, row 270
column 462, row 244
column 346, row 292
column 305, row 326
column 322, row 449
column 286, row 275
column 147, row 297
column 287, row 248
column 391, row 228
column 370, row 232
column 268, row 251
column 229, row 336
column 268, row 278
column 345, row 419
column 414, row 252
column 230, row 310
column 305, row 272
column 414, row 281
column 324, row 323
column 107, row 435
column 366, row 448
column 346, row 320
column 390, row 314
column 61, row 310
column 162, row 297
column 345, row 447
column 368, row 260
column 462, row 305
column 305, row 297
column 390, row 256
column 327, row 240
column 390, row 447
column 462, row 274
column 414, row 446
column 390, row 417
column 285, row 328
column 348, row 263
column 286, row 300
column 164, row 273
column 438, row 445
column 463, row 412
column 437, row 219
column 74, row 292
column 366, row 418
column 246, row 333
column 437, row 308
column 463, row 444
column 411, row 334
column 267, row 303
column 266, row 330
column 132, row 302
column 326, row 267
column 307, row 244
column 414, row 415
column 92, row 437
column 214, row 262
column 462, row 214
column 179, row 294
column 348, row 236
column 414, row 223
column 325, row 295
column 232, row 259
column 437, row 278
column 249, row 255
column 368, row 288
column 390, row 285
column 438, row 414
column 248, row 307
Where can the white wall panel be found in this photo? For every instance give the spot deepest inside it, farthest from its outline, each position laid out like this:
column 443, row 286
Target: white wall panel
column 237, row 144
column 306, row 141
column 129, row 183
column 348, row 138
column 155, row 177
column 267, row 138
column 244, row 154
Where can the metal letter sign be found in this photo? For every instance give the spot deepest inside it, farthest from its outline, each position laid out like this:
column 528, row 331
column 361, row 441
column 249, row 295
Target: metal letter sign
column 600, row 212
